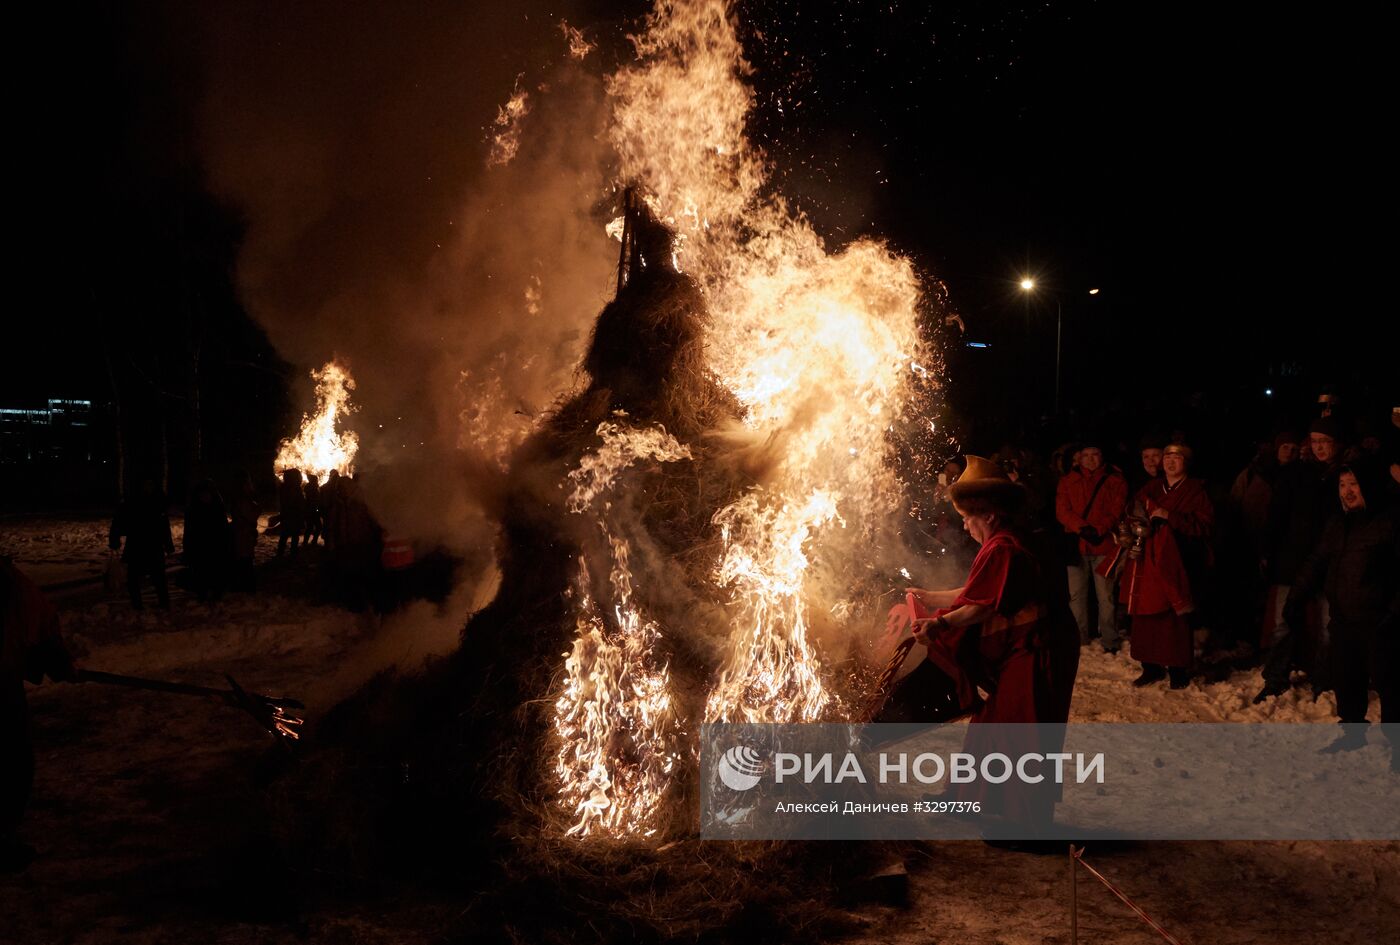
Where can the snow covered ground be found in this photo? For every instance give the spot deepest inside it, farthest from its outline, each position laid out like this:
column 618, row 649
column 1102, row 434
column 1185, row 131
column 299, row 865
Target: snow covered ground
column 145, row 804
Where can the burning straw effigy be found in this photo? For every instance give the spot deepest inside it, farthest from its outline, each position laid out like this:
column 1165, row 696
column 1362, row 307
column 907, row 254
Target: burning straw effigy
column 704, row 532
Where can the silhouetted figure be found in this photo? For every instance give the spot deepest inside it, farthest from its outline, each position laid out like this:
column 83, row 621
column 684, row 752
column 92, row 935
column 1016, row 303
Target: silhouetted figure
column 1304, row 498
column 1242, row 543
column 1253, row 489
column 357, row 547
column 208, row 542
column 1149, row 464
column 30, row 648
column 311, row 494
column 144, row 521
column 1354, row 565
column 245, row 534
column 332, row 500
column 292, row 506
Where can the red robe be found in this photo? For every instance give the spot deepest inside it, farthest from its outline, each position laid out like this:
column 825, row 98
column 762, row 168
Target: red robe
column 1025, row 656
column 1158, row 586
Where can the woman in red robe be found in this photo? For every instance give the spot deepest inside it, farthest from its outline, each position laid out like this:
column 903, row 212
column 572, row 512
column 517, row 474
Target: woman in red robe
column 1005, row 639
column 1161, row 588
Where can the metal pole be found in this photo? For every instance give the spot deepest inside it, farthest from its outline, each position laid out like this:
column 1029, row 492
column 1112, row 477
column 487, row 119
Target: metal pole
column 1057, row 356
column 184, row 689
column 1073, row 899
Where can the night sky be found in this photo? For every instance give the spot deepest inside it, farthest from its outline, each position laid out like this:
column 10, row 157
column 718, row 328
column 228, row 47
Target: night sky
column 1195, row 165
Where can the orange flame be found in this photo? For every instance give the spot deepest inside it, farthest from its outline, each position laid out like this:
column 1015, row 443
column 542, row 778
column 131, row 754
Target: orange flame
column 618, row 734
column 819, row 346
column 505, row 139
column 318, row 448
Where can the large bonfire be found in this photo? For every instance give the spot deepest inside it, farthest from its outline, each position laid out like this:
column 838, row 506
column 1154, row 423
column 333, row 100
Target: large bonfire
column 319, row 447
column 701, row 533
column 818, row 350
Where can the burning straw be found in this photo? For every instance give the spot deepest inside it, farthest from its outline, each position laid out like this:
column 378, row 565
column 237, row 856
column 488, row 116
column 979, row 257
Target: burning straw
column 696, row 535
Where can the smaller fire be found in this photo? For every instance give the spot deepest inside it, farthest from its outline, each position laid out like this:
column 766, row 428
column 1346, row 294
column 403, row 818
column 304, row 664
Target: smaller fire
column 318, row 448
column 579, row 46
column 505, row 133
column 286, row 726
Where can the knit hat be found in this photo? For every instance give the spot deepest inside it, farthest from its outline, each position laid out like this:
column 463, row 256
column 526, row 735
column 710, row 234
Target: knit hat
column 1327, row 426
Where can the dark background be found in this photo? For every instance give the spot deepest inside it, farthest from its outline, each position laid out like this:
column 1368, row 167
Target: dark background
column 1206, row 169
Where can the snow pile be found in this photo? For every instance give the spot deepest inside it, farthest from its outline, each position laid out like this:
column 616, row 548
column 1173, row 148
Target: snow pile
column 1104, row 693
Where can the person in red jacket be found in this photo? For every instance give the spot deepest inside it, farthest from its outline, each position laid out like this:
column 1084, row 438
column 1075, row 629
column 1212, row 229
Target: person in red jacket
column 1089, row 501
column 30, row 648
column 1159, row 587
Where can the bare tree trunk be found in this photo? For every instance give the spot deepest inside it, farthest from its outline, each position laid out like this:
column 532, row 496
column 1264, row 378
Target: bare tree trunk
column 120, row 435
column 192, row 400
column 194, row 333
column 164, row 452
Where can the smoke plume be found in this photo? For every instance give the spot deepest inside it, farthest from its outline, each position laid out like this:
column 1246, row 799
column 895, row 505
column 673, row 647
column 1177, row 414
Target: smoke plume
column 419, row 188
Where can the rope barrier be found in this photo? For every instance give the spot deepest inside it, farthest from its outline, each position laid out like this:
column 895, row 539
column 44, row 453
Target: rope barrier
column 1078, row 856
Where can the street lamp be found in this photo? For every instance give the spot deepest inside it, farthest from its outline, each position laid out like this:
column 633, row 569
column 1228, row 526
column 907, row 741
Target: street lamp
column 1028, row 286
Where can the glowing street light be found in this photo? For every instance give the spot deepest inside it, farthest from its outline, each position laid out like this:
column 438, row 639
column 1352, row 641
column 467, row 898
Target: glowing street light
column 1028, row 286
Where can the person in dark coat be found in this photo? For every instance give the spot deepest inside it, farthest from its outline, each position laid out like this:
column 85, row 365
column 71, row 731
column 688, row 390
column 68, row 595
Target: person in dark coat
column 1243, row 526
column 1356, row 566
column 291, row 503
column 1252, row 491
column 30, row 649
column 1304, row 497
column 1149, row 464
column 315, row 513
column 144, row 521
column 245, row 534
column 332, row 502
column 358, row 545
column 208, row 542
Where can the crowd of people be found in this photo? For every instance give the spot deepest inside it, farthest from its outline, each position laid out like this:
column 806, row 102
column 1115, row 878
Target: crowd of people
column 1298, row 564
column 219, row 546
column 220, row 539
column 1294, row 562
